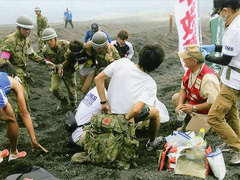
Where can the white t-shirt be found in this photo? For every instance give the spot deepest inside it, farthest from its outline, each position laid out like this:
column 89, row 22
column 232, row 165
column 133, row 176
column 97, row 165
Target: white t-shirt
column 231, row 47
column 88, row 106
column 128, row 85
column 163, row 112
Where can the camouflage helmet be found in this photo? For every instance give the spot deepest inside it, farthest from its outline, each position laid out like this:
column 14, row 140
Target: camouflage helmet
column 48, row 34
column 37, row 9
column 99, row 40
column 24, row 21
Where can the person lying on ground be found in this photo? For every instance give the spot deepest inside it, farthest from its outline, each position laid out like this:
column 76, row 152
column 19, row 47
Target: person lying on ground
column 199, row 89
column 8, row 83
column 90, row 105
column 132, row 91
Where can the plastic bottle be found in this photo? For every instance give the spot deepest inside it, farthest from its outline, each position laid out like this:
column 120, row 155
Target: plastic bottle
column 181, row 115
column 201, row 132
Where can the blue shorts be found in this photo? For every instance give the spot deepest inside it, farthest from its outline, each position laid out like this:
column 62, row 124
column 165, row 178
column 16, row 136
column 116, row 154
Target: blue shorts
column 3, row 99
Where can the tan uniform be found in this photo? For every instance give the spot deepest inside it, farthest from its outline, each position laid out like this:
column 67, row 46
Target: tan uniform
column 69, row 72
column 42, row 23
column 210, row 87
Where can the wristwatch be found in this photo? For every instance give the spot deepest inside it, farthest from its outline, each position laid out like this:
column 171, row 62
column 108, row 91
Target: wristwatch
column 103, row 102
column 194, row 109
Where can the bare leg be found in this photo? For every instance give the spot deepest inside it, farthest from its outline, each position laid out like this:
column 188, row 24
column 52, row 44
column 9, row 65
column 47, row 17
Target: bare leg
column 8, row 115
column 88, row 82
column 154, row 123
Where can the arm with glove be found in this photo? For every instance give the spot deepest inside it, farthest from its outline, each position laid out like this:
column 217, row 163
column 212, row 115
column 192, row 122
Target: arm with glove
column 223, row 60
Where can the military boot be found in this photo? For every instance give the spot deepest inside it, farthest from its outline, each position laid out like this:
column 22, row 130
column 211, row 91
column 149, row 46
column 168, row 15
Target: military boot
column 63, row 106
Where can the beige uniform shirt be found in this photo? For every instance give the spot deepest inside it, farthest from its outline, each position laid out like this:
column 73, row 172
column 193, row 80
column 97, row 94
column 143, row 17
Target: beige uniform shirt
column 210, row 86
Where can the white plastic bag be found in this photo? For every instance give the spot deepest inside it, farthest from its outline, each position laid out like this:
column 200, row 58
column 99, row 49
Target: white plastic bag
column 163, row 112
column 178, row 138
column 217, row 163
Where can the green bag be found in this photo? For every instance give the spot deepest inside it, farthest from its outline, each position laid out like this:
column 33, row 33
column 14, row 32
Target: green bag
column 110, row 140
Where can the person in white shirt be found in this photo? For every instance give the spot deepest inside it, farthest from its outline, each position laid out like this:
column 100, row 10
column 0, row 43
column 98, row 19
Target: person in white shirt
column 132, row 91
column 223, row 115
column 89, row 105
column 124, row 48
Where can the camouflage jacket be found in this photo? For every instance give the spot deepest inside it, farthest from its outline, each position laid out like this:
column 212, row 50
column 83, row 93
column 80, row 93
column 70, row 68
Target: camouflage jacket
column 42, row 23
column 110, row 140
column 104, row 57
column 20, row 50
column 59, row 56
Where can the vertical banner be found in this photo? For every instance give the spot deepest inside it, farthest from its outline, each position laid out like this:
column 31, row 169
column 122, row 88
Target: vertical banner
column 216, row 27
column 187, row 21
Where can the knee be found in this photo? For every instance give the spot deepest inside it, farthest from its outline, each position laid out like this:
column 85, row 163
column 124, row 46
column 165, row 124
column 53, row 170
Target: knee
column 211, row 120
column 175, row 98
column 155, row 113
column 84, row 90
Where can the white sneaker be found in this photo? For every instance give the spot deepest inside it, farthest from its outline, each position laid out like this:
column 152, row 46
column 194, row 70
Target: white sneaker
column 152, row 145
column 235, row 158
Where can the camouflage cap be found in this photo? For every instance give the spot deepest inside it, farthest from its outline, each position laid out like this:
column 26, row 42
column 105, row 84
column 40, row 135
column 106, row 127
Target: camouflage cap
column 24, row 21
column 191, row 51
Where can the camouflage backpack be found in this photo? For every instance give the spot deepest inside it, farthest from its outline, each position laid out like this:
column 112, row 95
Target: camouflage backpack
column 110, row 140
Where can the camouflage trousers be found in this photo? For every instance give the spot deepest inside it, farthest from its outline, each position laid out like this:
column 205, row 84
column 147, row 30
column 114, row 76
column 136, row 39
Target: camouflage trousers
column 40, row 44
column 70, row 83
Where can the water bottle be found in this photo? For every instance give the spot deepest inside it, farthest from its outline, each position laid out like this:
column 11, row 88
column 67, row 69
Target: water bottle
column 201, row 132
column 181, row 115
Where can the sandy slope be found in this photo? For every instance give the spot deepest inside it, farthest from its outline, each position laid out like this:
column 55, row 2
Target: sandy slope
column 51, row 132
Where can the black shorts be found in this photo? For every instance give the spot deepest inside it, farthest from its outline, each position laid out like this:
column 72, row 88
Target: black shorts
column 143, row 114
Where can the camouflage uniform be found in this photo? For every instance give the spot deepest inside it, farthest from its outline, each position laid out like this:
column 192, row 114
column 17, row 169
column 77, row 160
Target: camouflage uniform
column 69, row 72
column 20, row 50
column 42, row 23
column 103, row 57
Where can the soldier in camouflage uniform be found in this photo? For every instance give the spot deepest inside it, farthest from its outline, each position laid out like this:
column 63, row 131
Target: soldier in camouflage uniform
column 16, row 49
column 42, row 23
column 55, row 53
column 104, row 52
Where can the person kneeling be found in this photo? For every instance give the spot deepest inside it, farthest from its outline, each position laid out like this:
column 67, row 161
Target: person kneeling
column 200, row 87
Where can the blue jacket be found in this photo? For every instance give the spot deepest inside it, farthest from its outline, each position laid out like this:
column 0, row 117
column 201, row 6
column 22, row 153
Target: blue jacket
column 5, row 84
column 89, row 36
column 68, row 15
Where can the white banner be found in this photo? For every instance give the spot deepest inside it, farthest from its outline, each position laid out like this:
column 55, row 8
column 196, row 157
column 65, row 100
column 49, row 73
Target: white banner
column 187, row 21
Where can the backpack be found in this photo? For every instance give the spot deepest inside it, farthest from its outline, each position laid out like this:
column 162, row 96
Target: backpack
column 36, row 173
column 110, row 140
